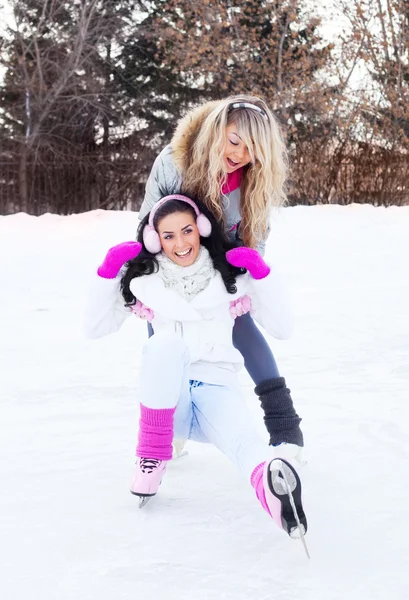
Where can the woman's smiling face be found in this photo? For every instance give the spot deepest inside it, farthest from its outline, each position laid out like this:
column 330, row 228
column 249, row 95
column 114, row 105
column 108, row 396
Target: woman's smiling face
column 236, row 154
column 179, row 237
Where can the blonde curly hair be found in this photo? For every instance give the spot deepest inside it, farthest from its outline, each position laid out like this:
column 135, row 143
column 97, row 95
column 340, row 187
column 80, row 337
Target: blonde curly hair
column 263, row 181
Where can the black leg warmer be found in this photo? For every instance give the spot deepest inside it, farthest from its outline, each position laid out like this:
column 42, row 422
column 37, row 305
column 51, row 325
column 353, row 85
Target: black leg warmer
column 282, row 422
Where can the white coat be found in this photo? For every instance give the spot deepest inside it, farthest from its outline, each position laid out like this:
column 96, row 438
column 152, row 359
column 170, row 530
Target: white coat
column 205, row 322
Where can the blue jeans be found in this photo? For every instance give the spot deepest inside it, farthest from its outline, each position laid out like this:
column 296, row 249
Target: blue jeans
column 249, row 341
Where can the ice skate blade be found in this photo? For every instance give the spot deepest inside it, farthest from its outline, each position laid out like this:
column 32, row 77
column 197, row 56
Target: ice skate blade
column 300, row 531
column 143, row 500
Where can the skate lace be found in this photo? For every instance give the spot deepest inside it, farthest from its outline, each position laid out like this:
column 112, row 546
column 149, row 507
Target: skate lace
column 149, row 464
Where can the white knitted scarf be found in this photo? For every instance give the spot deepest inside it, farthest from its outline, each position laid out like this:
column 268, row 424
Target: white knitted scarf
column 187, row 281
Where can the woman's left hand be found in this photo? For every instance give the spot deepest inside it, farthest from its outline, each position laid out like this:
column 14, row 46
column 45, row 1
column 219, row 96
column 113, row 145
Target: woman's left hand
column 249, row 259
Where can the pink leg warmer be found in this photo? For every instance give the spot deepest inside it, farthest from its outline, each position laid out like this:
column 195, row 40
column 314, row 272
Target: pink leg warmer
column 155, row 433
column 256, row 481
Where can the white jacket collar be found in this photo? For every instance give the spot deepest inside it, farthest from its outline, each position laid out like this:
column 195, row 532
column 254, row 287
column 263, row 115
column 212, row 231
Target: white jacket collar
column 151, row 291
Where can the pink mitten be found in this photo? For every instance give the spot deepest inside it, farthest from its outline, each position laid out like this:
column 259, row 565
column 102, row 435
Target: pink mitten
column 116, row 257
column 250, row 259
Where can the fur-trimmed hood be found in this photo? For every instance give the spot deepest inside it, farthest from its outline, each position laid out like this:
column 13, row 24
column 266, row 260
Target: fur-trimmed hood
column 187, row 131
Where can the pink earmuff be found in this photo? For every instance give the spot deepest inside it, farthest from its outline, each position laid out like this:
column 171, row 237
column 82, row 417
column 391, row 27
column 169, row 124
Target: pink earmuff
column 151, row 239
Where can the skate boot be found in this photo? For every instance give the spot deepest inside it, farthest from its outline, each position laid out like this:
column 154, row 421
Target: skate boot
column 278, row 489
column 147, row 478
column 282, row 489
column 291, row 452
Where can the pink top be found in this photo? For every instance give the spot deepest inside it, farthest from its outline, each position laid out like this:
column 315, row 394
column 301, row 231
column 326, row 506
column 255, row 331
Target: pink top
column 233, row 181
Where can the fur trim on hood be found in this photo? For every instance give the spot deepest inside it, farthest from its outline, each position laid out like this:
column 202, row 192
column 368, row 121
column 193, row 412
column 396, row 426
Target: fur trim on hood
column 186, row 132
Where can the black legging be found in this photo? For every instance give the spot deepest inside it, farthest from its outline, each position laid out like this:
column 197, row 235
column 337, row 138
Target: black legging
column 250, row 342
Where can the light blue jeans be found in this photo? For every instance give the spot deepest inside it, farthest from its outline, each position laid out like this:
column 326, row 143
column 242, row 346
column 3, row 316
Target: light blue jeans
column 216, row 414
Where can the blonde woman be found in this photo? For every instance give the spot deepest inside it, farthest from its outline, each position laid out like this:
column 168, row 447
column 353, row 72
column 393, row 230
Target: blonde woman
column 230, row 155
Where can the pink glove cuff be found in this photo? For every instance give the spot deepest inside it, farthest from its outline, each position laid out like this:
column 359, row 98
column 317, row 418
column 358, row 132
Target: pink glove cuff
column 249, row 259
column 142, row 311
column 241, row 306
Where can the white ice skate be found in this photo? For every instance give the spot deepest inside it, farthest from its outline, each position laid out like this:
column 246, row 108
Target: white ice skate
column 178, row 449
column 291, row 452
column 282, row 488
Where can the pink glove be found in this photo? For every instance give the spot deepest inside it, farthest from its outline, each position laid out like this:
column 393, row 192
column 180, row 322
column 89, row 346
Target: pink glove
column 250, row 259
column 142, row 311
column 116, row 257
column 241, row 306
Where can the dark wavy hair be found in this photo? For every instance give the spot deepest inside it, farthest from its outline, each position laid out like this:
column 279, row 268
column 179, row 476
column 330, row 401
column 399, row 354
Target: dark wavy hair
column 217, row 245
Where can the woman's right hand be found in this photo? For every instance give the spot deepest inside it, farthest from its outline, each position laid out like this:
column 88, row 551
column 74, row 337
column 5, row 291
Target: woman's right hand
column 116, row 257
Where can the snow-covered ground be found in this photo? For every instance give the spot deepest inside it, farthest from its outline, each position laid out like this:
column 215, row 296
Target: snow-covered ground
column 70, row 529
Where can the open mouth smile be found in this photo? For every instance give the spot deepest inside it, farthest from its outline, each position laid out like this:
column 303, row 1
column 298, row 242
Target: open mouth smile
column 232, row 163
column 184, row 254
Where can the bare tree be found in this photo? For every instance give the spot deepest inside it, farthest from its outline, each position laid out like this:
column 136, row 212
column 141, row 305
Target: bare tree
column 380, row 37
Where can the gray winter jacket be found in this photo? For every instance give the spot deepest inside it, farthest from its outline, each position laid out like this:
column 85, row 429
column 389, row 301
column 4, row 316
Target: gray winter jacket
column 165, row 179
